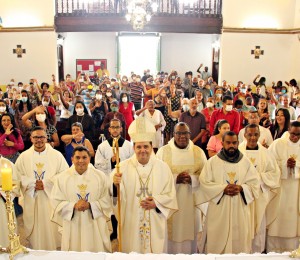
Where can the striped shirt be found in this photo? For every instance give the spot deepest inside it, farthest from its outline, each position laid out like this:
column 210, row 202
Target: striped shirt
column 136, row 92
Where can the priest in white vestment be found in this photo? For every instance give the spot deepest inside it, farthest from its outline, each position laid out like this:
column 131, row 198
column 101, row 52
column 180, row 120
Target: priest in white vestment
column 4, row 241
column 186, row 161
column 36, row 168
column 105, row 158
column 230, row 183
column 157, row 120
column 82, row 205
column 269, row 174
column 148, row 196
column 284, row 233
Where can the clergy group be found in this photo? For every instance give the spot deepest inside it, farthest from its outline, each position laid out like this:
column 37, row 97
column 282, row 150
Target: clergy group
column 244, row 199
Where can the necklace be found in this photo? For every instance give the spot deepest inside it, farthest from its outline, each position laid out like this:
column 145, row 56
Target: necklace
column 80, row 142
column 144, row 185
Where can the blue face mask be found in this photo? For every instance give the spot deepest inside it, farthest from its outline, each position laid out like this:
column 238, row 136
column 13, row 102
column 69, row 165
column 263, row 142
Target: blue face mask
column 283, row 91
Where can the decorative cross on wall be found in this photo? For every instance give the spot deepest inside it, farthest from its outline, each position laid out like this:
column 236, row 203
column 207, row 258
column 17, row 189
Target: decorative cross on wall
column 19, row 51
column 257, row 52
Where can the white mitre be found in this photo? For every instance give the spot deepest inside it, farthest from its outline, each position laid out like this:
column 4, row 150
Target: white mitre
column 141, row 130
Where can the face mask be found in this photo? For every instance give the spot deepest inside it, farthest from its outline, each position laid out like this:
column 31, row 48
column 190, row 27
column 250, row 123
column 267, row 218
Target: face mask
column 134, row 78
column 124, row 99
column 109, row 94
column 116, row 86
column 2, row 109
column 45, row 103
column 81, row 80
column 243, row 90
column 195, row 84
column 12, row 83
column 125, row 80
column 108, row 85
column 24, row 99
column 79, row 111
column 114, row 109
column 283, row 91
column 98, row 96
column 228, row 108
column 138, row 80
column 209, row 104
column 185, row 108
column 40, row 117
column 210, row 81
column 219, row 95
column 239, row 109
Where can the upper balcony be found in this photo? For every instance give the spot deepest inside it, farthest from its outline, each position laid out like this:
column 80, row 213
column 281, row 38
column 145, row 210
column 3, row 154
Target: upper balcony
column 177, row 16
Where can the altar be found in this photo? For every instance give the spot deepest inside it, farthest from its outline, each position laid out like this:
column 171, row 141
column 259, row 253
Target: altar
column 60, row 255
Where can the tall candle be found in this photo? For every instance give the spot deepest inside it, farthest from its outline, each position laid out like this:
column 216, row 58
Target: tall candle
column 6, row 176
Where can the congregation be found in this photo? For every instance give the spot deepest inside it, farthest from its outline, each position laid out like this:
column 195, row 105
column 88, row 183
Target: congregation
column 204, row 168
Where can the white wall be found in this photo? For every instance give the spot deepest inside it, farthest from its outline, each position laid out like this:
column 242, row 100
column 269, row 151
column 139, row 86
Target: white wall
column 182, row 52
column 259, row 13
column 237, row 63
column 297, row 14
column 20, row 13
column 40, row 60
column 185, row 52
column 89, row 45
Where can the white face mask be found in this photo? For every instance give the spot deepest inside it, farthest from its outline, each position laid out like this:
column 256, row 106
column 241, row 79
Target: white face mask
column 98, row 96
column 2, row 109
column 228, row 108
column 138, row 80
column 109, row 94
column 108, row 85
column 79, row 111
column 12, row 83
column 185, row 108
column 24, row 99
column 209, row 104
column 40, row 117
column 219, row 95
column 243, row 90
column 45, row 103
column 124, row 99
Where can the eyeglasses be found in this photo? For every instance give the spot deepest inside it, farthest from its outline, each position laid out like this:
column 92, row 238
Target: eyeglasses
column 182, row 133
column 114, row 127
column 39, row 137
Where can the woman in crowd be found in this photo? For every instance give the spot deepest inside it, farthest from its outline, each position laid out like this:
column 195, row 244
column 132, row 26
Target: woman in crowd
column 40, row 119
column 214, row 144
column 65, row 102
column 218, row 98
column 175, row 103
column 98, row 108
column 282, row 123
column 263, row 112
column 81, row 115
column 110, row 96
column 4, row 108
column 76, row 138
column 11, row 141
column 22, row 107
column 127, row 109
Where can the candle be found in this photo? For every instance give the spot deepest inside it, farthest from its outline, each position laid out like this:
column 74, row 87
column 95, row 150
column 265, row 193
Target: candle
column 6, row 176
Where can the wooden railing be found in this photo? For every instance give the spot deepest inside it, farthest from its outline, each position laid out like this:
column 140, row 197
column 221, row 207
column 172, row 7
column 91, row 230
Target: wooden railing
column 195, row 8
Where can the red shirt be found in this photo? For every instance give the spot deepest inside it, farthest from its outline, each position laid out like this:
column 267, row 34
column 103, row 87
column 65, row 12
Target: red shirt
column 232, row 117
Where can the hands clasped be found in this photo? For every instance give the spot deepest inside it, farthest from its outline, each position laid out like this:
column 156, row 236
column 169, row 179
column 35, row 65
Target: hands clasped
column 233, row 189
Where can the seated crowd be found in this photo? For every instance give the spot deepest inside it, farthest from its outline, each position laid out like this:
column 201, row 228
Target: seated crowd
column 226, row 157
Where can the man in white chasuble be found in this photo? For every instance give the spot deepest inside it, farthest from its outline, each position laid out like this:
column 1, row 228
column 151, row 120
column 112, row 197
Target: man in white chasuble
column 36, row 168
column 82, row 205
column 284, row 233
column 186, row 161
column 269, row 175
column 148, row 196
column 230, row 183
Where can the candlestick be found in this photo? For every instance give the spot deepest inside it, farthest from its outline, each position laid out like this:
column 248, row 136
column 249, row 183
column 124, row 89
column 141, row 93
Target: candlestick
column 6, row 176
column 14, row 246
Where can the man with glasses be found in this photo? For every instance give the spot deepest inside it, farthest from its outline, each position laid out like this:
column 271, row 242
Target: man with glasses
column 186, row 161
column 36, row 168
column 105, row 159
column 284, row 232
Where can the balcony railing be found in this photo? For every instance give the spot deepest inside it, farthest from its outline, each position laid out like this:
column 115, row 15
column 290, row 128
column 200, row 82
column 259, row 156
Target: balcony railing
column 194, row 8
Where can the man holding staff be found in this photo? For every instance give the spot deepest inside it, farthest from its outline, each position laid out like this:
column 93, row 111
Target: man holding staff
column 147, row 194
